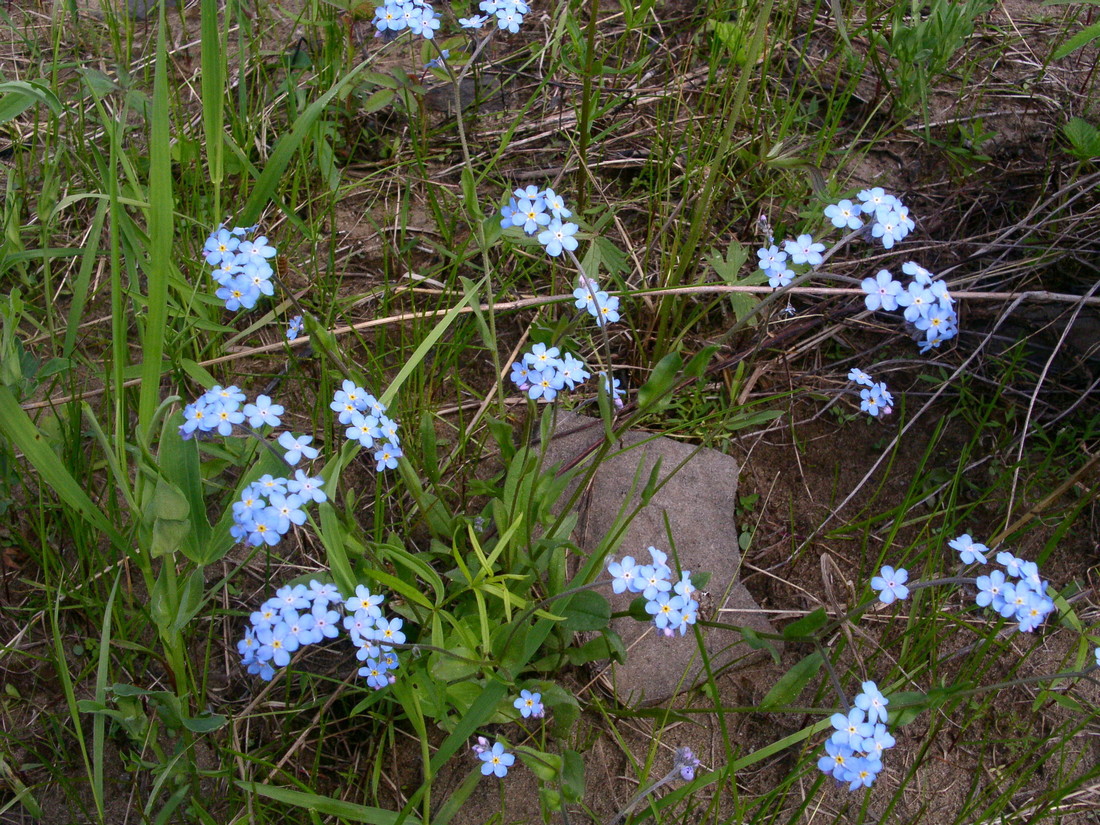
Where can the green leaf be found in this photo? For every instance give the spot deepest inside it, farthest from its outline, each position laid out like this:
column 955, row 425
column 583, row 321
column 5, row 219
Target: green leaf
column 451, row 806
column 791, row 684
column 326, row 805
column 204, row 724
column 168, row 510
column 637, row 610
column 271, row 179
column 1084, row 137
column 430, row 340
column 1078, row 41
column 757, row 642
column 378, row 101
column 168, row 536
column 661, row 380
column 807, row 625
column 160, row 607
column 190, row 601
column 160, row 268
column 614, row 260
column 212, row 60
column 905, row 706
column 572, row 775
column 697, row 366
column 587, row 611
column 609, row 646
column 17, row 427
column 546, row 766
column 20, row 95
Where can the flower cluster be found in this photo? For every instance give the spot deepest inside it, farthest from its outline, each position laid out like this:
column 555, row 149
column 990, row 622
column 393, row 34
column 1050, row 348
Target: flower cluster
column 1016, row 593
column 219, row 410
column 540, row 213
column 544, row 372
column 297, row 616
column 417, row 16
column 495, row 760
column 891, row 220
column 875, row 399
column 508, row 14
column 671, row 605
column 1021, row 596
column 597, row 303
column 926, row 302
column 270, row 505
column 776, row 263
column 853, row 753
column 367, row 424
column 241, row 267
column 293, row 617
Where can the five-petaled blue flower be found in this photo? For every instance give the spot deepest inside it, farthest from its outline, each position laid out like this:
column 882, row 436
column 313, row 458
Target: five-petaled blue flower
column 297, row 448
column 496, row 761
column 529, row 704
column 872, row 702
column 891, row 584
column 969, row 550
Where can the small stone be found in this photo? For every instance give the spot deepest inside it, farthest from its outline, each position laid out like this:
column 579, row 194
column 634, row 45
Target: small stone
column 143, row 9
column 699, row 502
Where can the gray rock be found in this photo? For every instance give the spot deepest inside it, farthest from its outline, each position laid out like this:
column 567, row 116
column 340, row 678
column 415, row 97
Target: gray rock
column 142, row 9
column 698, row 502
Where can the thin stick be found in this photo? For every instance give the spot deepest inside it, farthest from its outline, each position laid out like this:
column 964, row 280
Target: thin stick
column 1035, row 296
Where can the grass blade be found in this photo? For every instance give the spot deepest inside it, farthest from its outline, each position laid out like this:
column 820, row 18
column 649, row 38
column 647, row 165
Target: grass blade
column 160, row 240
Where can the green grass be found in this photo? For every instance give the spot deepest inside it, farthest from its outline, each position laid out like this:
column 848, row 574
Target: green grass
column 670, row 128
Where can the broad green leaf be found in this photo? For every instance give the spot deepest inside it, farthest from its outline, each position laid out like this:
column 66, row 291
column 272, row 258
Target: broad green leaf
column 169, row 536
column 587, row 611
column 572, row 775
column 20, row 95
column 545, row 766
column 1084, row 137
column 204, row 724
column 791, row 684
column 661, row 380
column 807, row 625
column 190, row 600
